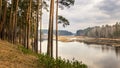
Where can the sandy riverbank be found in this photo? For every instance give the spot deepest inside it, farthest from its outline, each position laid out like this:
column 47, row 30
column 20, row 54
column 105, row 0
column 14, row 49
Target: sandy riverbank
column 89, row 40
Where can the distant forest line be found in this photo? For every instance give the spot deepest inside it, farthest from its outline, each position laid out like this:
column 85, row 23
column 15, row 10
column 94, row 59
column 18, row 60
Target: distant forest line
column 104, row 31
column 60, row 32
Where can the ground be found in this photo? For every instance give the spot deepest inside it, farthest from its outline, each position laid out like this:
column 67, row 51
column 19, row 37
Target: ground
column 12, row 57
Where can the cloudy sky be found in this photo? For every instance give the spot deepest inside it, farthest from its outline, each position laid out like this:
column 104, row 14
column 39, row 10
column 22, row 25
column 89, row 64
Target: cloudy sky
column 88, row 13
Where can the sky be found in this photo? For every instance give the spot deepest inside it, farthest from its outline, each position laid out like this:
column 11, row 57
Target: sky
column 88, row 13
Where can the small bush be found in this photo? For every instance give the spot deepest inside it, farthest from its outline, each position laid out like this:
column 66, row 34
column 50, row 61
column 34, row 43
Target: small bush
column 49, row 62
column 24, row 50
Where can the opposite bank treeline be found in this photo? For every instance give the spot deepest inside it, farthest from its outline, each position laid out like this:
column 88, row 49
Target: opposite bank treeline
column 104, row 31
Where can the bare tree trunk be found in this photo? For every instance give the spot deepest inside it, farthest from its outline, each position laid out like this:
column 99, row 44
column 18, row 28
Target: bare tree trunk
column 25, row 36
column 57, row 29
column 21, row 35
column 41, row 27
column 0, row 11
column 29, row 21
column 10, row 26
column 0, row 3
column 4, row 18
column 14, row 22
column 37, row 26
column 35, row 38
column 26, row 26
column 34, row 35
column 15, row 25
column 50, row 30
column 0, row 15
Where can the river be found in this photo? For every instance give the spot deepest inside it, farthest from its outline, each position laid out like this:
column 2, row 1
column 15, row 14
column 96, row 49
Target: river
column 95, row 56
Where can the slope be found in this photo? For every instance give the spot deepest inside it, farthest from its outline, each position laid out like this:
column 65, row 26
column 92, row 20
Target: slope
column 12, row 57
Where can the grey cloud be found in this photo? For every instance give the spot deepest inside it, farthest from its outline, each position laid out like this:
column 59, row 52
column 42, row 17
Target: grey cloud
column 81, row 20
column 110, row 7
column 82, row 2
column 102, row 18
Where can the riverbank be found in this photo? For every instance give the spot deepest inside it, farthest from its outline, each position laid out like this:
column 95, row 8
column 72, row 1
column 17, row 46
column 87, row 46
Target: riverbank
column 16, row 56
column 90, row 40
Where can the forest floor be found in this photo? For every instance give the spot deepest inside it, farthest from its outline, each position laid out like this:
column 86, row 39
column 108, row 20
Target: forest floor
column 90, row 40
column 12, row 57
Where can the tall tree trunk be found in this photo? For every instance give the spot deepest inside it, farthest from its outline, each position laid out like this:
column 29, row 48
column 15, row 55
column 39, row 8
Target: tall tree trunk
column 57, row 29
column 20, row 36
column 10, row 22
column 37, row 26
column 0, row 11
column 35, row 35
column 25, row 36
column 0, row 15
column 3, row 18
column 29, row 21
column 0, row 4
column 50, row 30
column 13, row 27
column 41, row 27
column 26, row 26
column 15, row 24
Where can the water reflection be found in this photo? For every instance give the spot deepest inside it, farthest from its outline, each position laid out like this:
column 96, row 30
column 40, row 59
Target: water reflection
column 117, row 51
column 95, row 56
column 106, row 48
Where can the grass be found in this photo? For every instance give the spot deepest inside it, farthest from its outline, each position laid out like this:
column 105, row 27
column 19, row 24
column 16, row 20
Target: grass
column 48, row 62
column 24, row 50
column 16, row 56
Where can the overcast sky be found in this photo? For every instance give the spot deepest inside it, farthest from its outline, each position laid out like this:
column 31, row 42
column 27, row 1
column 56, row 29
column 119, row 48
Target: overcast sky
column 88, row 13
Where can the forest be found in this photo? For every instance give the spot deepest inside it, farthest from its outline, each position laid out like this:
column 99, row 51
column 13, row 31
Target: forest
column 20, row 20
column 104, row 31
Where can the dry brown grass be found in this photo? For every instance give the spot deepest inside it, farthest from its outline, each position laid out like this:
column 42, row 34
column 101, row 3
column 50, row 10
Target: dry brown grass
column 12, row 57
column 64, row 38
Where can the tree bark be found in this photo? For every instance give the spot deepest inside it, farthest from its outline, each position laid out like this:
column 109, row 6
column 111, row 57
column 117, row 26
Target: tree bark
column 41, row 28
column 29, row 21
column 57, row 29
column 0, row 11
column 10, row 26
column 4, row 17
column 37, row 26
column 50, row 30
column 15, row 24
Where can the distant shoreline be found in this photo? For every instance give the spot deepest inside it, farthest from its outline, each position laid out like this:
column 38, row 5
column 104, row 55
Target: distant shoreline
column 90, row 40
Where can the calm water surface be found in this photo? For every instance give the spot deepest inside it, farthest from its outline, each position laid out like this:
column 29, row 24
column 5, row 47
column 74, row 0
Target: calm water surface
column 95, row 56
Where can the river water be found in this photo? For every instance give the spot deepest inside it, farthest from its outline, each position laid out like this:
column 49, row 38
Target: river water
column 95, row 56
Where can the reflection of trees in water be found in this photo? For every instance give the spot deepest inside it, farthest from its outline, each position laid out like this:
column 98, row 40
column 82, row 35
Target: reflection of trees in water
column 117, row 51
column 106, row 48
